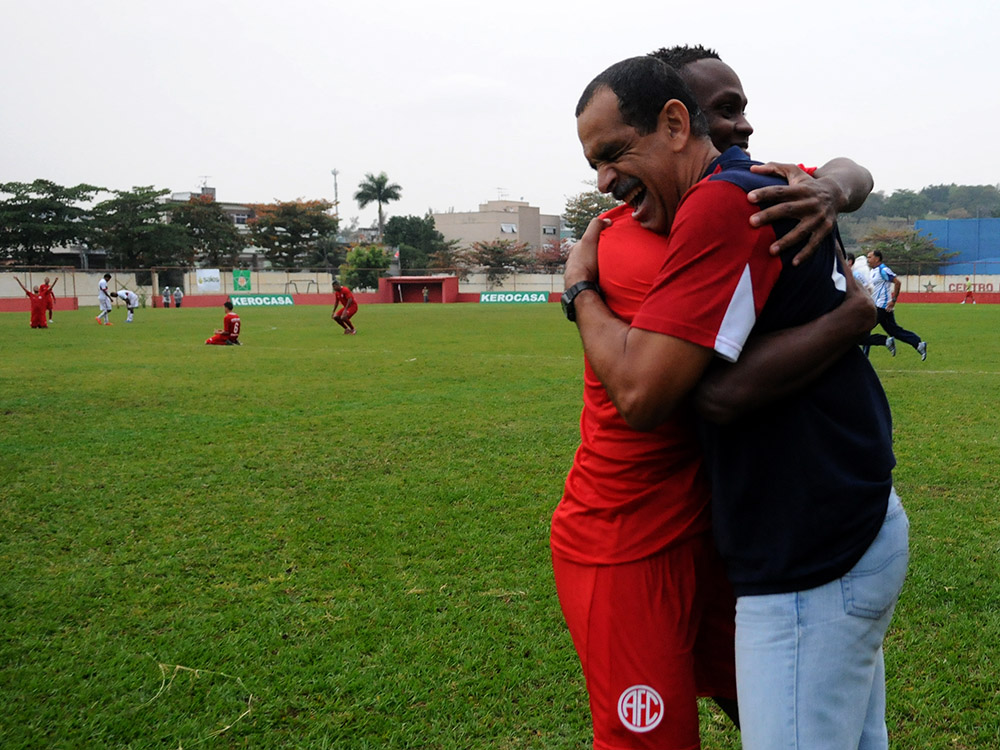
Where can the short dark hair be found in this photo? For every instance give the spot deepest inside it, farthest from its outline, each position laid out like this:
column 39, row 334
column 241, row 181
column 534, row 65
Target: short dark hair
column 850, row 257
column 228, row 304
column 680, row 55
column 876, row 253
column 107, row 277
column 643, row 85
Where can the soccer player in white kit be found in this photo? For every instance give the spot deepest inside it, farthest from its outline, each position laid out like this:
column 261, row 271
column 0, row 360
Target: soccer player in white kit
column 103, row 300
column 131, row 300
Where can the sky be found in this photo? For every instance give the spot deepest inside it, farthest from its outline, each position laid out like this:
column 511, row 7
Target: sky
column 460, row 103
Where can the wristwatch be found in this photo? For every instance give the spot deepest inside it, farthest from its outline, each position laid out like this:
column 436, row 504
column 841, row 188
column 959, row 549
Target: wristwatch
column 570, row 294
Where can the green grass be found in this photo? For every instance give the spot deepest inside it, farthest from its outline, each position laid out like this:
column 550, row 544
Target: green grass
column 324, row 541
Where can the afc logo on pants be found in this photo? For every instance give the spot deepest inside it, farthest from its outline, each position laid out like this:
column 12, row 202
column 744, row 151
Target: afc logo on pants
column 640, row 708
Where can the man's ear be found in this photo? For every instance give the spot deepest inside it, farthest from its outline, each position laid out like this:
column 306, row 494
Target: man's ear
column 675, row 123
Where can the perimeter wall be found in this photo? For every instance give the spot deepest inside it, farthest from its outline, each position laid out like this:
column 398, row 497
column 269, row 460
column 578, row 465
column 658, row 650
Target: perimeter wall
column 77, row 288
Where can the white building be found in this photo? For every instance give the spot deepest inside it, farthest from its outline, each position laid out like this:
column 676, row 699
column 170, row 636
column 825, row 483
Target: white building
column 500, row 220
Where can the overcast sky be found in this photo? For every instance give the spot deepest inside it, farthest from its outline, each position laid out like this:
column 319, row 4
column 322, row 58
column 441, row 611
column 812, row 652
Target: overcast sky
column 462, row 102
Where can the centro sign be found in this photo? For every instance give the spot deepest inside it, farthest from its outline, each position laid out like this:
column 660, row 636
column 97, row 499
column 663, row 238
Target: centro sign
column 261, row 300
column 513, row 297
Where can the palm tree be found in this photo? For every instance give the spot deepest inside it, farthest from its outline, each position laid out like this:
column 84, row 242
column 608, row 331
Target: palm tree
column 377, row 190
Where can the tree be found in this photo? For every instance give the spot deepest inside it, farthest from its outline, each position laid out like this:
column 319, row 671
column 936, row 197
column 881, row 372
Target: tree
column 907, row 251
column 131, row 227
column 874, row 206
column 365, row 265
column 552, row 257
column 42, row 215
column 214, row 236
column 976, row 200
column 380, row 191
column 449, row 257
column 583, row 207
column 499, row 258
column 963, row 201
column 939, row 197
column 907, row 204
column 289, row 230
column 417, row 239
column 327, row 253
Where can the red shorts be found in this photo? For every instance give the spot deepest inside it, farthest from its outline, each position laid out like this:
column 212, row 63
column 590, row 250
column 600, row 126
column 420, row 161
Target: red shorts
column 347, row 313
column 652, row 635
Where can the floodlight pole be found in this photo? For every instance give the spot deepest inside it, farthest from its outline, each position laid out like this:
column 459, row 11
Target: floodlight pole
column 336, row 198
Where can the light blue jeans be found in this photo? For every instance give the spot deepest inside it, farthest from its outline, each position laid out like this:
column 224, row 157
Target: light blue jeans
column 809, row 667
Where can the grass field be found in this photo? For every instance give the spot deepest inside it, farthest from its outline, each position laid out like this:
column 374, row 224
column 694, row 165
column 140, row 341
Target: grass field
column 324, row 541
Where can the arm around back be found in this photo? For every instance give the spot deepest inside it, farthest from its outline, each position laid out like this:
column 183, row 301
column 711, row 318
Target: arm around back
column 778, row 364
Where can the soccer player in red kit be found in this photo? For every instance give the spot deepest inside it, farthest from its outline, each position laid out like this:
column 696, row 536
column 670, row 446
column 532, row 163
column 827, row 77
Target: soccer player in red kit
column 346, row 299
column 48, row 295
column 229, row 334
column 37, row 305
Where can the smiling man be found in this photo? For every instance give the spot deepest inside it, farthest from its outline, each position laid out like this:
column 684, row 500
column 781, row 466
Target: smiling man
column 719, row 92
column 814, row 198
column 638, row 576
column 790, row 537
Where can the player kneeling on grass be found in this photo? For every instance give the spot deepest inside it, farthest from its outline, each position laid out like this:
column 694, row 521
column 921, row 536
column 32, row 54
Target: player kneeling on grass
column 131, row 300
column 37, row 305
column 229, row 334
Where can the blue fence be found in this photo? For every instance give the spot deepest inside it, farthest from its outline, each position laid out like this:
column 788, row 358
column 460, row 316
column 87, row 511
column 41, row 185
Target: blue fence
column 977, row 242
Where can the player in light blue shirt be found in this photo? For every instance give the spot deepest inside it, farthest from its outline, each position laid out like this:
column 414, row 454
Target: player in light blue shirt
column 886, row 285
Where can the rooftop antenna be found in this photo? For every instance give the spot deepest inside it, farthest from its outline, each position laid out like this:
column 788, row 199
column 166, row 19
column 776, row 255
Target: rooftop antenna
column 204, row 180
column 501, row 193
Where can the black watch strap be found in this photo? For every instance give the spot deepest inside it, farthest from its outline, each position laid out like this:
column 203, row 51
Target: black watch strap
column 570, row 294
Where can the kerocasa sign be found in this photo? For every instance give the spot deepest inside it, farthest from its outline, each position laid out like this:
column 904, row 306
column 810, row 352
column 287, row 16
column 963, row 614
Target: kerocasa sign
column 261, row 300
column 520, row 297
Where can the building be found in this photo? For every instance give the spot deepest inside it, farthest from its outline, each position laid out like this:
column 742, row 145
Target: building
column 500, row 220
column 238, row 212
